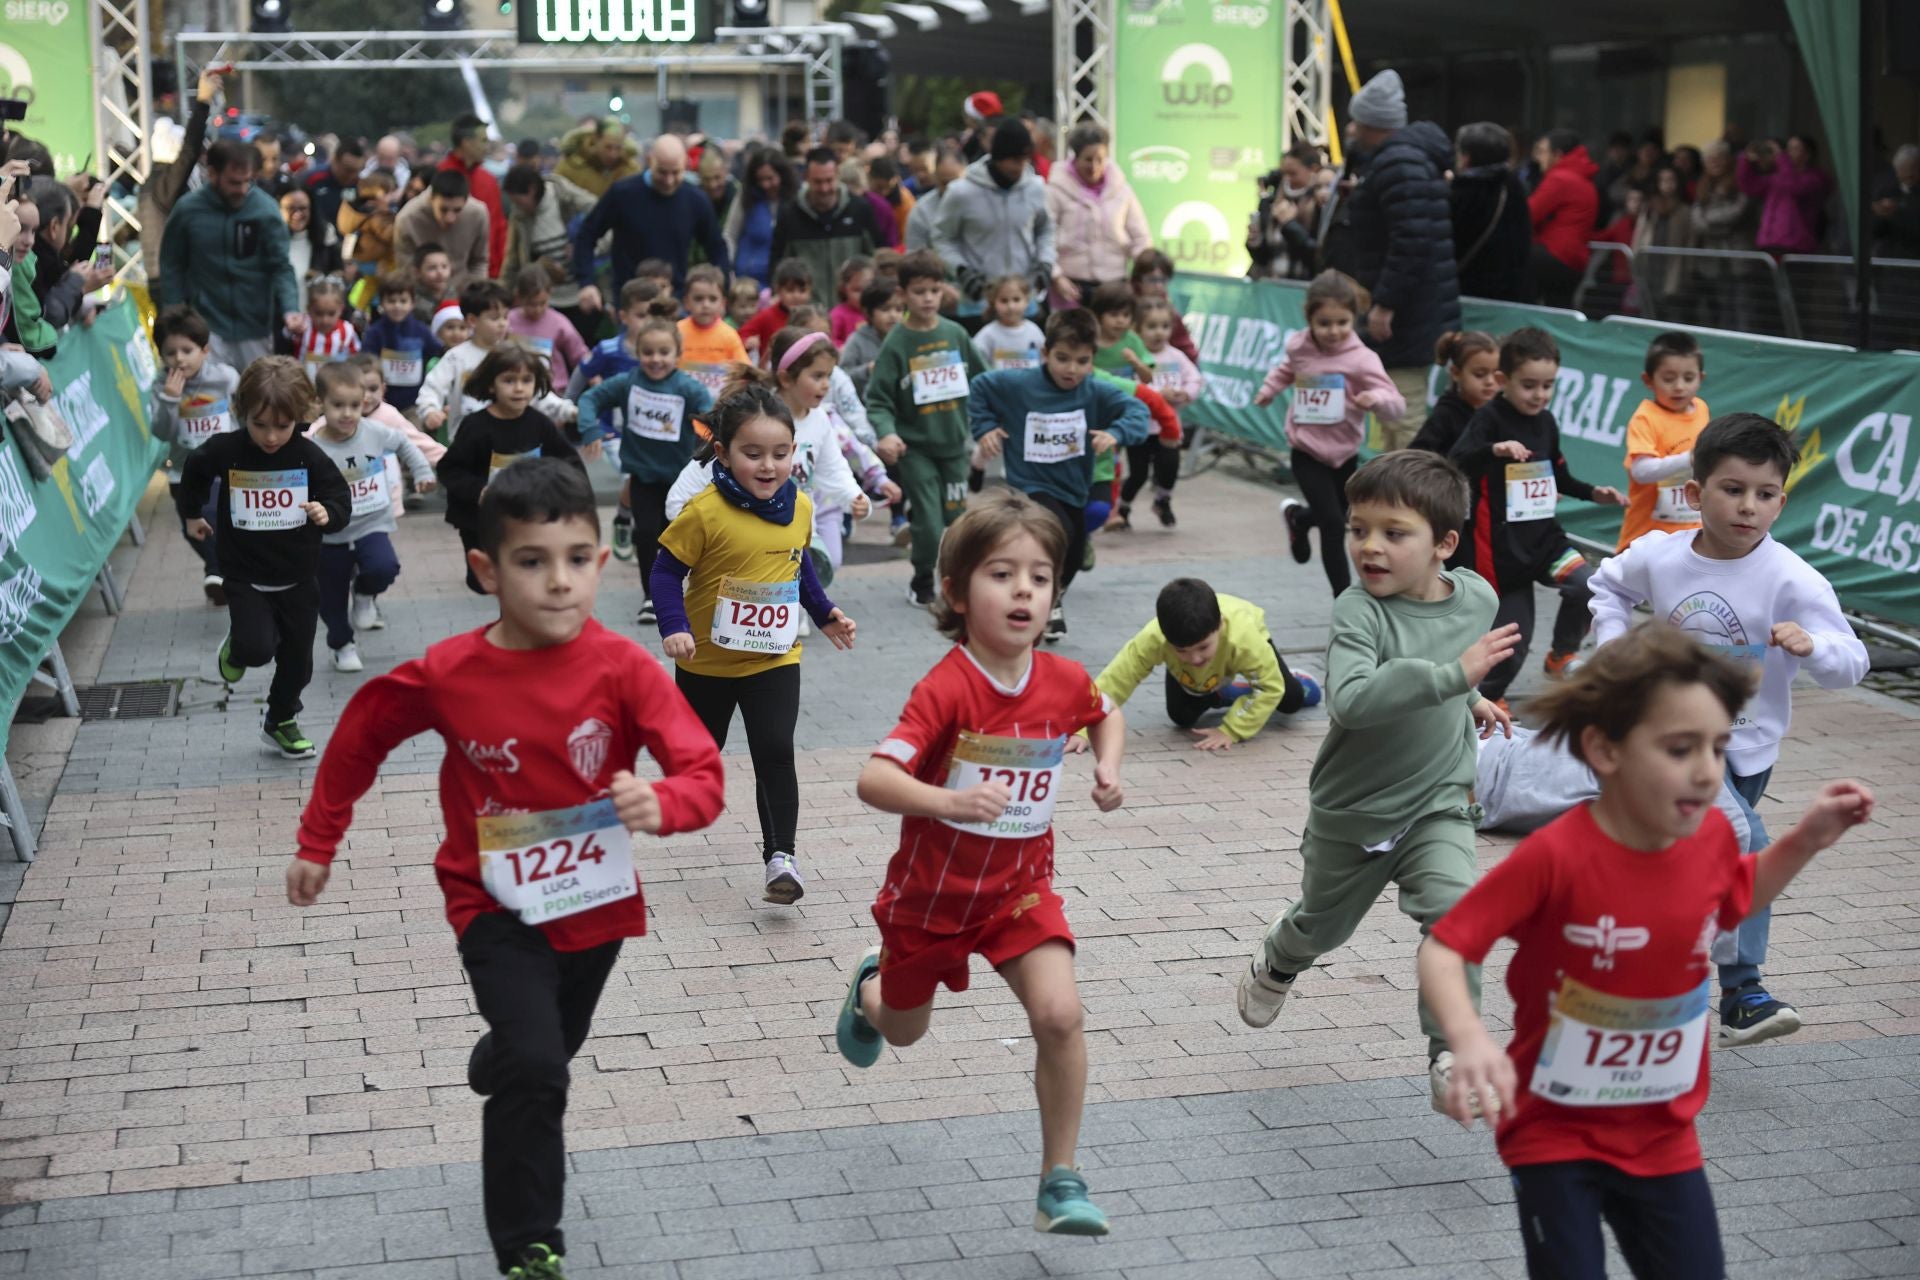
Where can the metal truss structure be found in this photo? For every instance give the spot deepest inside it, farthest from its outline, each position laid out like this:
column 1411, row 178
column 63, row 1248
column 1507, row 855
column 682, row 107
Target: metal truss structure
column 123, row 115
column 1306, row 110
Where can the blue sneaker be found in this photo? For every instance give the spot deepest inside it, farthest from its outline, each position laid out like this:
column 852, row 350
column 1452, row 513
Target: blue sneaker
column 1228, row 694
column 859, row 1042
column 1062, row 1208
column 1311, row 687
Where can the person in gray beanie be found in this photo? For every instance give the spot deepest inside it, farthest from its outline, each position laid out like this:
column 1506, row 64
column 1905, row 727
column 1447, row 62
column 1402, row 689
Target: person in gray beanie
column 994, row 222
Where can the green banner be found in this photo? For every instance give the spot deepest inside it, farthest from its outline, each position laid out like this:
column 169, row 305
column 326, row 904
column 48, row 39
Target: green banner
column 1199, row 121
column 1854, row 501
column 47, row 60
column 56, row 533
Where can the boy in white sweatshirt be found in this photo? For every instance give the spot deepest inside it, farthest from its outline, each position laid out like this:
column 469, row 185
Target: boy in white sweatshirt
column 1734, row 588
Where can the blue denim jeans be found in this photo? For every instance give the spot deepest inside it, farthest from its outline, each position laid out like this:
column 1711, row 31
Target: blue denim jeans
column 1751, row 936
column 365, row 567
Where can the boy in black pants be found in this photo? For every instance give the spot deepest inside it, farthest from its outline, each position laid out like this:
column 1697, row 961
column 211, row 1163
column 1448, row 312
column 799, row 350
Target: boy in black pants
column 281, row 492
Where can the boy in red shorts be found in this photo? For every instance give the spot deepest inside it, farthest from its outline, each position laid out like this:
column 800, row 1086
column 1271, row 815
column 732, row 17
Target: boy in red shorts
column 974, row 767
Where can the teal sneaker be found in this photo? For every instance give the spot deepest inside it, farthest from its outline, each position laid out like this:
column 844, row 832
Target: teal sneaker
column 229, row 672
column 287, row 739
column 1062, row 1208
column 537, row 1262
column 859, row 1042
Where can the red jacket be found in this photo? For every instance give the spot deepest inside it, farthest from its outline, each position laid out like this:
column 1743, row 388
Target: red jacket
column 1564, row 207
column 486, row 189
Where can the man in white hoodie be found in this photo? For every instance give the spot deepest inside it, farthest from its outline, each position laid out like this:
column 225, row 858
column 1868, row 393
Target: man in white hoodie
column 994, row 222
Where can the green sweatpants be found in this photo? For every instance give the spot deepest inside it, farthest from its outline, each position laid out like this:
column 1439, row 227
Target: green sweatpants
column 1433, row 864
column 936, row 493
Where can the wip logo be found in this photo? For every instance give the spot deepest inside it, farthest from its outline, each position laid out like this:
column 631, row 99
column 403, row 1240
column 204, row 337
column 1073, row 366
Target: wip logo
column 1195, row 233
column 1210, row 84
column 1159, row 164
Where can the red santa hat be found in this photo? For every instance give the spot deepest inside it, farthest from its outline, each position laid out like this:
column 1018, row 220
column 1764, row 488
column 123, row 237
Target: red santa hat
column 445, row 312
column 982, row 106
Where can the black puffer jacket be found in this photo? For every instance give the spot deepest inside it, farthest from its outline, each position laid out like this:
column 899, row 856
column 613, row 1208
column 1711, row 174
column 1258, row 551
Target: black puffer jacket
column 1403, row 241
column 1497, row 269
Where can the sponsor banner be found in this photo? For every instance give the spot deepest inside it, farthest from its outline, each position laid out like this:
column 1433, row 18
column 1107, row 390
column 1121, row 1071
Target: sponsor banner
column 1853, row 505
column 56, row 533
column 1199, row 121
column 46, row 60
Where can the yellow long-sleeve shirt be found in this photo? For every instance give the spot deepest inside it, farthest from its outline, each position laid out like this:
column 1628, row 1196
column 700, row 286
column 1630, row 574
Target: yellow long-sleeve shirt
column 1245, row 650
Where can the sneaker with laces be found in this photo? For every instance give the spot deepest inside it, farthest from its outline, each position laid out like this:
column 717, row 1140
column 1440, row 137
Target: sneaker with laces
column 1309, row 685
column 215, row 588
column 1122, row 518
column 623, row 537
column 1062, row 1207
column 1294, row 514
column 648, row 616
column 1056, row 624
column 1748, row 1015
column 230, row 671
column 1439, row 1077
column 1559, row 666
column 1262, row 991
column 287, row 739
column 859, row 1043
column 479, row 1078
column 1088, row 557
column 347, row 658
column 365, row 615
column 1163, row 511
column 784, row 884
column 537, row 1262
column 918, row 596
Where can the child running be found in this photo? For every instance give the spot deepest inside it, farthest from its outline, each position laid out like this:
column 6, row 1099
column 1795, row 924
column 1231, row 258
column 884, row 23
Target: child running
column 327, row 335
column 191, row 405
column 792, row 287
column 1614, row 906
column 729, row 583
column 1660, row 440
column 282, row 492
column 447, row 396
column 1337, row 380
column 856, row 273
column 1472, row 361
column 1176, row 379
column 1120, row 351
column 401, row 340
column 1511, row 455
column 882, row 305
column 433, row 272
column 974, row 769
column 535, row 321
column 1736, row 589
column 640, row 300
column 374, row 407
column 1011, row 341
column 1387, row 801
column 708, row 345
column 543, row 713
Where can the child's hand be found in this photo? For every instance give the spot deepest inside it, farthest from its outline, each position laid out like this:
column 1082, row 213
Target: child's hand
column 435, row 420
column 982, row 803
column 1488, row 715
column 1482, row 1073
column 1839, row 805
column 1793, row 638
column 1262, row 398
column 890, row 448
column 316, row 514
column 176, row 384
column 305, row 880
column 890, row 492
column 679, row 645
column 590, row 452
column 1607, row 495
column 1077, row 744
column 1488, row 652
column 861, row 506
column 426, row 486
column 1101, row 441
column 635, row 802
column 1212, row 740
column 1366, row 399
column 1512, row 449
column 1176, row 399
column 839, row 629
column 296, row 322
column 199, row 530
column 1142, row 371
column 1106, row 787
column 989, row 445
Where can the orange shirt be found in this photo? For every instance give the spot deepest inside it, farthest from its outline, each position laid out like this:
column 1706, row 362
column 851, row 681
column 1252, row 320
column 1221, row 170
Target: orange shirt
column 1658, row 432
column 706, row 353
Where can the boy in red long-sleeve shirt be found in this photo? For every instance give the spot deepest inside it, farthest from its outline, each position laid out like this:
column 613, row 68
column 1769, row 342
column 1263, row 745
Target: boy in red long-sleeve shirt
column 543, row 713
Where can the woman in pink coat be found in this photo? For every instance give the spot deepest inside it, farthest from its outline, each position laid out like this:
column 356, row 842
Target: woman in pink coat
column 1098, row 223
column 1794, row 191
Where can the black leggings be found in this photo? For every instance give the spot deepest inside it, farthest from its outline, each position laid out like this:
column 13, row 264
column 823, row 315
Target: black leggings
column 1666, row 1226
column 649, row 505
column 1570, row 622
column 1325, row 489
column 1156, row 456
column 1074, row 521
column 1185, row 707
column 277, row 628
column 769, row 703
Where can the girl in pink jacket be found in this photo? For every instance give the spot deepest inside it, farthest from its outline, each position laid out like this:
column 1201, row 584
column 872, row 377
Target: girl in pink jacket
column 1336, row 380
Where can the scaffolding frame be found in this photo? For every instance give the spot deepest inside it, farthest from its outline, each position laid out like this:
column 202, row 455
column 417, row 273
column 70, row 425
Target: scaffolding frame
column 123, row 106
column 1306, row 111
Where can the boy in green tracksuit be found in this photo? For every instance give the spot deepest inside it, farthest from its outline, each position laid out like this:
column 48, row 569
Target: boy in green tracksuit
column 1218, row 653
column 1387, row 800
column 917, row 403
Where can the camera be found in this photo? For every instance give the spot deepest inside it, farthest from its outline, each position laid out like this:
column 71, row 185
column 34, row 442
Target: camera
column 12, row 109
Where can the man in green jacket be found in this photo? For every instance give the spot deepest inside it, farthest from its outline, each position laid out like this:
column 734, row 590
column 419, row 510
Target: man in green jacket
column 823, row 226
column 225, row 253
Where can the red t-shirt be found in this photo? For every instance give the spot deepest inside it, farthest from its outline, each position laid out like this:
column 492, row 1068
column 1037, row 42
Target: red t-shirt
column 1613, row 952
column 527, row 730
column 944, row 879
column 765, row 323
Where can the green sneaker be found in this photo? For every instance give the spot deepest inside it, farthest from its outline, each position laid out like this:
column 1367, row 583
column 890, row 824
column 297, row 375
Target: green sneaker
column 287, row 739
column 1062, row 1208
column 537, row 1262
column 859, row 1042
column 228, row 671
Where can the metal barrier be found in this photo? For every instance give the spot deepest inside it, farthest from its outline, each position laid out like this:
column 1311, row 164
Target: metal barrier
column 1606, row 287
column 1737, row 289
column 1827, row 292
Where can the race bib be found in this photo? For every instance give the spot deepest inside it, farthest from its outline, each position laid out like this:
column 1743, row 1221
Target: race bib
column 756, row 617
column 1015, row 360
column 368, row 485
column 501, row 461
column 1320, row 399
column 548, row 866
column 202, row 417
column 402, row 366
column 263, row 501
column 1056, row 437
column 938, row 377
column 652, row 415
column 1610, row 1051
column 711, row 376
column 1029, row 767
column 1670, row 505
column 1531, row 491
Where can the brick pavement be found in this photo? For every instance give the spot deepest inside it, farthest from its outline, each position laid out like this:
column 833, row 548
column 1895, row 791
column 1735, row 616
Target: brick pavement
column 202, row 1081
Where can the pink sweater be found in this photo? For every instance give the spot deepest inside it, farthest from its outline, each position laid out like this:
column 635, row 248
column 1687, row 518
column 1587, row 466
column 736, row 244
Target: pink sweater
column 1334, row 442
column 552, row 335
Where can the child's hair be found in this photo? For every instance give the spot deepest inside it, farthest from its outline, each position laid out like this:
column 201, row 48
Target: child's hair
column 988, row 521
column 744, row 290
column 1113, row 296
column 748, row 393
column 1523, row 345
column 363, row 363
column 654, row 269
column 792, row 271
column 649, row 297
column 374, row 182
column 1617, row 684
column 1151, row 262
column 530, row 281
column 534, row 490
column 878, row 294
column 1024, row 285
column 182, row 321
column 396, row 282
column 427, row 250
column 708, row 274
column 1746, row 436
column 1150, row 307
column 1681, row 346
column 783, row 342
column 658, row 324
column 850, row 271
column 921, row 264
column 327, row 287
column 1339, row 289
column 1188, row 611
column 276, row 388
column 1075, row 328
column 806, row 316
column 478, row 297
column 335, row 373
column 507, row 357
column 1457, row 346
column 1418, row 480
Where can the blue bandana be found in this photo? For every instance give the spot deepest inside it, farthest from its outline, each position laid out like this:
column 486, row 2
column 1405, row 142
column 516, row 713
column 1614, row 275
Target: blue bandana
column 775, row 510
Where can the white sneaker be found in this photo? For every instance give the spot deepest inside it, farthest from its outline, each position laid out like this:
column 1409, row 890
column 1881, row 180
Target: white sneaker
column 379, row 615
column 1261, row 992
column 215, row 588
column 806, row 627
column 366, row 614
column 347, row 658
column 784, row 884
column 1439, row 1077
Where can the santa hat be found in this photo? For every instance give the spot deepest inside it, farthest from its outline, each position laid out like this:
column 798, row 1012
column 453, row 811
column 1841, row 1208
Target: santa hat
column 982, row 106
column 446, row 311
